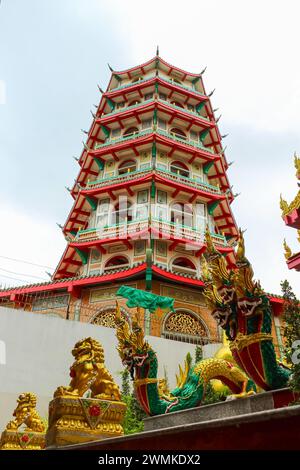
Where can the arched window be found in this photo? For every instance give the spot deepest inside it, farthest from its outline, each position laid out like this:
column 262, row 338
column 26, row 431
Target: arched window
column 106, row 317
column 177, row 103
column 116, row 262
column 127, row 167
column 178, row 133
column 185, row 326
column 131, row 131
column 183, row 265
column 180, row 169
column 122, row 212
column 182, row 214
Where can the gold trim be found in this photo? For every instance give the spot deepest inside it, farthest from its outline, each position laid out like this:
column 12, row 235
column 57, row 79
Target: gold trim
column 242, row 341
column 145, row 381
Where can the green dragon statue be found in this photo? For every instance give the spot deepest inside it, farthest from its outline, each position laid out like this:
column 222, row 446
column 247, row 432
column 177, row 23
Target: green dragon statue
column 243, row 310
column 153, row 395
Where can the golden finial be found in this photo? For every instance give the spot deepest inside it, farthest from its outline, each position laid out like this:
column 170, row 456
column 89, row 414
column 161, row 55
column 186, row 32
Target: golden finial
column 208, row 240
column 287, row 250
column 297, row 165
column 240, row 254
column 283, row 205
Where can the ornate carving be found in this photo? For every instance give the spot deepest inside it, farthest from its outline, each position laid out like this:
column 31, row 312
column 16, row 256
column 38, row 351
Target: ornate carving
column 76, row 417
column 297, row 165
column 106, row 317
column 33, row 437
column 89, row 373
column 153, row 393
column 288, row 208
column 183, row 295
column 184, row 323
column 287, row 250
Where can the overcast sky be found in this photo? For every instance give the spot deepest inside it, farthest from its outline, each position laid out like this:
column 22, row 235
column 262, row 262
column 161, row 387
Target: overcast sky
column 54, row 52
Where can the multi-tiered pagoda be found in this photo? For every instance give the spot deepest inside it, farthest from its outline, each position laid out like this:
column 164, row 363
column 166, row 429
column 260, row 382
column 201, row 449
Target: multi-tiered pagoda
column 152, row 177
column 291, row 217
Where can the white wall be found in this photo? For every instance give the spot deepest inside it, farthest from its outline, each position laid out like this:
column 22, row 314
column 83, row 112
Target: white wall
column 35, row 355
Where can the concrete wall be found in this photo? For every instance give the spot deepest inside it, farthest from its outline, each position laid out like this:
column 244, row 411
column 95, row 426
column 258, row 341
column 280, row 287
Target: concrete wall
column 35, row 355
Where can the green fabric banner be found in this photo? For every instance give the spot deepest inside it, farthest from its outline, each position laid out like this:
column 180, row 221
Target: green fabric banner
column 140, row 298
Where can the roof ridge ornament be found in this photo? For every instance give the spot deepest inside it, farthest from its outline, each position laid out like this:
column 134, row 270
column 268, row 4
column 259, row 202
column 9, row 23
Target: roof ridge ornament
column 110, row 68
column 157, row 51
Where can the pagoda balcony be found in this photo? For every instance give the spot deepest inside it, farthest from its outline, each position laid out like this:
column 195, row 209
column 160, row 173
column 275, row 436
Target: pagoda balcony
column 158, row 78
column 115, row 181
column 158, row 100
column 158, row 228
column 169, row 135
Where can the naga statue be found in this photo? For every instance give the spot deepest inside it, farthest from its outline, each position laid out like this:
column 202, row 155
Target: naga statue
column 153, row 394
column 243, row 310
column 33, row 435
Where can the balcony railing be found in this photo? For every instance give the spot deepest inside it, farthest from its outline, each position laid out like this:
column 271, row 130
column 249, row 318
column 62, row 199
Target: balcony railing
column 142, row 133
column 125, row 230
column 189, row 181
column 130, row 176
column 185, row 87
column 133, row 106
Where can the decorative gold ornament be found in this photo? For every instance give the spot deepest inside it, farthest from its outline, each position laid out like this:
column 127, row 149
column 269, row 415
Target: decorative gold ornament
column 242, row 341
column 287, row 250
column 90, row 408
column 184, row 323
column 288, row 208
column 88, row 372
column 297, row 165
column 33, row 436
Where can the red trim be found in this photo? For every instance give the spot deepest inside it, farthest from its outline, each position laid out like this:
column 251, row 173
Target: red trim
column 294, row 262
column 153, row 60
column 176, row 277
column 66, row 284
column 164, row 107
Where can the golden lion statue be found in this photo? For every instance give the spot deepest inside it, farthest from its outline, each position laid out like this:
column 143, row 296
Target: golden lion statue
column 89, row 373
column 26, row 413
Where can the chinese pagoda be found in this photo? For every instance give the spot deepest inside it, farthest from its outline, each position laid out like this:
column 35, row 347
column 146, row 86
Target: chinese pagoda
column 291, row 217
column 152, row 176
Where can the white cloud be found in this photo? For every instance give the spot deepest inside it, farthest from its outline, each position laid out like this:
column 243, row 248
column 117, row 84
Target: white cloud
column 26, row 239
column 250, row 48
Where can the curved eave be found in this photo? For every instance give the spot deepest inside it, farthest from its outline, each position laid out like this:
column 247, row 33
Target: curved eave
column 166, row 275
column 69, row 284
column 141, row 68
column 207, row 195
column 197, row 95
column 153, row 136
column 166, row 64
column 126, row 113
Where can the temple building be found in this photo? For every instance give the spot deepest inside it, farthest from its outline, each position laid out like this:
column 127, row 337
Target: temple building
column 152, row 176
column 291, row 217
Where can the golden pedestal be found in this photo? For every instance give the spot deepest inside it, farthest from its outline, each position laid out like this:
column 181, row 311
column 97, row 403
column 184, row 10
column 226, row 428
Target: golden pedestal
column 77, row 420
column 22, row 440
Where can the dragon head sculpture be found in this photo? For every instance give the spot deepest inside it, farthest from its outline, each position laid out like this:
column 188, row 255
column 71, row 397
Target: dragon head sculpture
column 132, row 347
